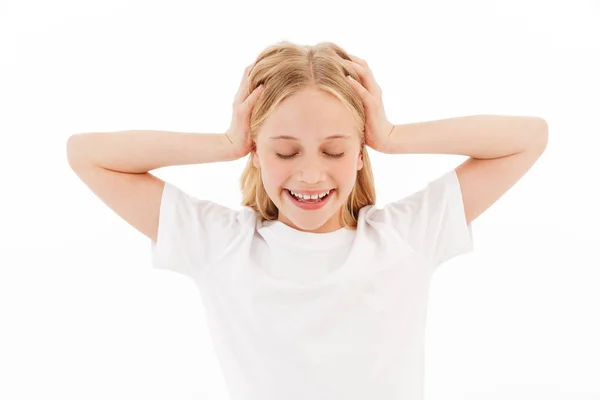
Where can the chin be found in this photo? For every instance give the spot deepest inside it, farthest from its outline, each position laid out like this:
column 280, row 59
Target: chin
column 310, row 222
column 306, row 227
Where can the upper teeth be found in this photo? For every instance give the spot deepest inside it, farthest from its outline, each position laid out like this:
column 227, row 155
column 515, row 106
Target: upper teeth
column 312, row 197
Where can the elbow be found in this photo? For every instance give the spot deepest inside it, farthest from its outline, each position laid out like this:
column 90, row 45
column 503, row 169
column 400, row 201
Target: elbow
column 70, row 150
column 541, row 133
column 74, row 149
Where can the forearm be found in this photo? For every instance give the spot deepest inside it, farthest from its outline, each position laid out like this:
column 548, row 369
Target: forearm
column 142, row 151
column 477, row 136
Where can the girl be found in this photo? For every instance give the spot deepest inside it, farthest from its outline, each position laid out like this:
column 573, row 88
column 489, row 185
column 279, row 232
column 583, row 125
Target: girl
column 312, row 292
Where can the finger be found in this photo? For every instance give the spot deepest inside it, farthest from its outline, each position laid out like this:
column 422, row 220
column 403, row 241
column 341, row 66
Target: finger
column 253, row 97
column 364, row 93
column 242, row 92
column 358, row 60
column 246, row 72
column 366, row 77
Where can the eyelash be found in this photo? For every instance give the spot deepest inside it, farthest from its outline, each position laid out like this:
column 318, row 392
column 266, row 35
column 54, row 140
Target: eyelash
column 290, row 156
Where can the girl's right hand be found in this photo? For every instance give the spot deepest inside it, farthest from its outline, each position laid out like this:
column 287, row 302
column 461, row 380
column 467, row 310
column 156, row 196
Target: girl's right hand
column 239, row 131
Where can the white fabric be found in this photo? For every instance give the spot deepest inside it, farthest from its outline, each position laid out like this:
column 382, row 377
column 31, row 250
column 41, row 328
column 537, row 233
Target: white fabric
column 296, row 315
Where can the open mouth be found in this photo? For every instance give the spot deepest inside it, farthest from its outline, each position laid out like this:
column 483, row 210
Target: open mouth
column 310, row 201
column 309, row 204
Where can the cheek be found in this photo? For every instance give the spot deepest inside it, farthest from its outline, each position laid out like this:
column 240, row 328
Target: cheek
column 275, row 174
column 346, row 172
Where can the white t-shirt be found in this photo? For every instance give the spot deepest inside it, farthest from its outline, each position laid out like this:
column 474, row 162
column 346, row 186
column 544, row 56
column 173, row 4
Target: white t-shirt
column 297, row 315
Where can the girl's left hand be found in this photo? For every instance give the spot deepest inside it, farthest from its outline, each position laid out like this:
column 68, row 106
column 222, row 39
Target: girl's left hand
column 377, row 126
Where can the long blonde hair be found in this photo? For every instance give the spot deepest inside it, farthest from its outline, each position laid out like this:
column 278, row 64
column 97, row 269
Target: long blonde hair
column 286, row 68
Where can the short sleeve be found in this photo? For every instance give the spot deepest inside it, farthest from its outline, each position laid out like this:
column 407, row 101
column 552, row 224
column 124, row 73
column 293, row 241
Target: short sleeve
column 432, row 221
column 191, row 232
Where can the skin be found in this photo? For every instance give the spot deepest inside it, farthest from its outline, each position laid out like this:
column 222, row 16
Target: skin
column 311, row 116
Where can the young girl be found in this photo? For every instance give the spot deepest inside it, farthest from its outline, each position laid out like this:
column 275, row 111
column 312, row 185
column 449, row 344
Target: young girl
column 312, row 292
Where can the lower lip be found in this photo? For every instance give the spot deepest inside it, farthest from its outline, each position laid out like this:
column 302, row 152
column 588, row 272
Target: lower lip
column 309, row 206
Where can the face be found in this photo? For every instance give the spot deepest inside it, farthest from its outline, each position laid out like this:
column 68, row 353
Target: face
column 312, row 161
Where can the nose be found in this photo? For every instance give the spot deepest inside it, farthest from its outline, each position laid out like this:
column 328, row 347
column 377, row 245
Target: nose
column 311, row 170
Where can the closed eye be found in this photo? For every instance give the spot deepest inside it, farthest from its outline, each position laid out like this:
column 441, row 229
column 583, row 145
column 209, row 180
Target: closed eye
column 286, row 157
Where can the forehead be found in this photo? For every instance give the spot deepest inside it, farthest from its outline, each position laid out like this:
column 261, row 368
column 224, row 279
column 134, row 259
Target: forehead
column 309, row 115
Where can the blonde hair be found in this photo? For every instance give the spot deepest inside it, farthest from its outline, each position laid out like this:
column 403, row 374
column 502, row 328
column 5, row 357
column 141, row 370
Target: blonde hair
column 284, row 69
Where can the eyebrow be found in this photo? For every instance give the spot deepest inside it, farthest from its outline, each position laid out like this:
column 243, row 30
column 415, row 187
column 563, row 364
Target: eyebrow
column 295, row 138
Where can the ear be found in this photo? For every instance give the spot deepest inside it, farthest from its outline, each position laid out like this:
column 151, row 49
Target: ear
column 255, row 160
column 360, row 161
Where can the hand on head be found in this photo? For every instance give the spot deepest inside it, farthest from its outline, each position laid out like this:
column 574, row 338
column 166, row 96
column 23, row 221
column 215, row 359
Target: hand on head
column 239, row 130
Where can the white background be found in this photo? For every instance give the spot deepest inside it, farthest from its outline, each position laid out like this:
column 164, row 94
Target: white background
column 84, row 316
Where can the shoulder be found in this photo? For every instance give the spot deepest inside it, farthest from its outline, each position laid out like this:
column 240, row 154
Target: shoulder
column 424, row 202
column 431, row 220
column 188, row 208
column 192, row 232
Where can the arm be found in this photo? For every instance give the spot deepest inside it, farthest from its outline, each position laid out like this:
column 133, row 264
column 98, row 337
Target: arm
column 115, row 167
column 501, row 150
column 142, row 151
column 476, row 136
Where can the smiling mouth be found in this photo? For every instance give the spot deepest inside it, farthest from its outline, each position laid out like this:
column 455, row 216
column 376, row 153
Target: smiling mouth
column 310, row 201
